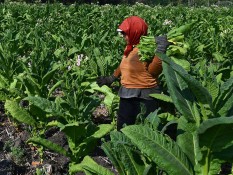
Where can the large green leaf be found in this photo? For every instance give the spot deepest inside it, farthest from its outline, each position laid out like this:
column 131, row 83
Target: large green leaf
column 102, row 130
column 4, row 82
column 186, row 139
column 48, row 144
column 3, row 96
column 89, row 166
column 49, row 75
column 89, row 143
column 45, row 105
column 19, row 113
column 122, row 153
column 213, row 88
column 108, row 148
column 198, row 90
column 110, row 98
column 186, row 91
column 31, row 84
column 227, row 108
column 133, row 165
column 216, row 135
column 72, row 51
column 163, row 97
column 75, row 132
column 82, row 137
column 224, row 102
column 160, row 149
column 181, row 96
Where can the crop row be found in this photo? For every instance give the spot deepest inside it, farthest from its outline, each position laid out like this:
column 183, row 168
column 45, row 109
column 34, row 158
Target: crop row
column 50, row 56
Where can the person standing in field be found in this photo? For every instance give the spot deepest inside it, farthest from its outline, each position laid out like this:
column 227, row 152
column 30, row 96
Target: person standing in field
column 138, row 79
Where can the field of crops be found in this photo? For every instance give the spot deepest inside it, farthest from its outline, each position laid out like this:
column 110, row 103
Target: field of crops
column 50, row 57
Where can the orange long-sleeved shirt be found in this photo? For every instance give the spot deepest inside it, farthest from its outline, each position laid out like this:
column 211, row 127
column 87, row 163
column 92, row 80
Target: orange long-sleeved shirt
column 137, row 74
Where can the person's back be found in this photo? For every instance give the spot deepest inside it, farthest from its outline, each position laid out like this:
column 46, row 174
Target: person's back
column 138, row 79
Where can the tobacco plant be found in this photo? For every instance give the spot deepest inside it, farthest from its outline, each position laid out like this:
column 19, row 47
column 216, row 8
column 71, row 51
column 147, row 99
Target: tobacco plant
column 82, row 134
column 204, row 139
column 39, row 49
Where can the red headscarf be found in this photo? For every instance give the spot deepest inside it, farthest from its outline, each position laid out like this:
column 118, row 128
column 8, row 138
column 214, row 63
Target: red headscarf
column 134, row 27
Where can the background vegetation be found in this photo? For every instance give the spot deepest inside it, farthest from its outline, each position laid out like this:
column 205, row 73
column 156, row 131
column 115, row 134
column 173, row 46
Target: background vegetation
column 148, row 2
column 51, row 54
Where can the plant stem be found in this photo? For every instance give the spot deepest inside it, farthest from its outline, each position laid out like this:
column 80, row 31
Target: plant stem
column 205, row 169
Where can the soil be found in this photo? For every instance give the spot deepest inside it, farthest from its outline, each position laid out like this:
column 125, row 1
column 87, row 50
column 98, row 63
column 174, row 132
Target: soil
column 17, row 157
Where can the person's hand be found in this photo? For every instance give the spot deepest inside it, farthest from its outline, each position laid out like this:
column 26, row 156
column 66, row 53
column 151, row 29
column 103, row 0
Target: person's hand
column 105, row 80
column 162, row 43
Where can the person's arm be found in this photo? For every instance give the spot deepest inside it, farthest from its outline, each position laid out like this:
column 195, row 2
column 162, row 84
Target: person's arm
column 162, row 44
column 117, row 72
column 108, row 80
column 155, row 67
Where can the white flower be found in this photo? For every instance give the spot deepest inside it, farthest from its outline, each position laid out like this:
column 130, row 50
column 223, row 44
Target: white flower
column 79, row 59
column 29, row 64
column 167, row 22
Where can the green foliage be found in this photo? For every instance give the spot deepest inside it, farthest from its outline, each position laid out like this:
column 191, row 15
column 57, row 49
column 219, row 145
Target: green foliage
column 51, row 62
column 146, row 48
column 89, row 166
column 216, row 143
column 82, row 139
column 162, row 97
column 19, row 113
column 161, row 150
column 111, row 100
column 48, row 144
column 203, row 138
column 125, row 156
column 182, row 85
column 177, row 50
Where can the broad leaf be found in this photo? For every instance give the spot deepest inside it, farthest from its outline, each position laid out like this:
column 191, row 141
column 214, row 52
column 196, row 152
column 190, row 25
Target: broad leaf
column 224, row 102
column 4, row 82
column 102, row 130
column 181, row 96
column 123, row 155
column 89, row 165
column 185, row 90
column 48, row 144
column 198, row 90
column 186, row 139
column 89, row 143
column 45, row 105
column 3, row 96
column 19, row 113
column 163, row 97
column 75, row 132
column 108, row 148
column 49, row 75
column 216, row 134
column 72, row 51
column 31, row 84
column 163, row 151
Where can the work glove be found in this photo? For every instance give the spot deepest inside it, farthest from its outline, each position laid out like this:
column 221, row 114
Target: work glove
column 162, row 44
column 105, row 80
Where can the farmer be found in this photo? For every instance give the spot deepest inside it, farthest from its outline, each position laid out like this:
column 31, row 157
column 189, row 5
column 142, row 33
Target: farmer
column 138, row 79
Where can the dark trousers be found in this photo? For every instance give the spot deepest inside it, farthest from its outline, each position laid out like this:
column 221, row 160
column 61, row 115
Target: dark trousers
column 130, row 107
